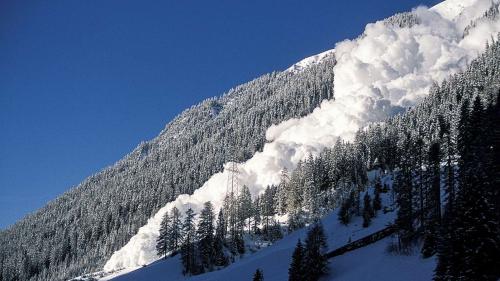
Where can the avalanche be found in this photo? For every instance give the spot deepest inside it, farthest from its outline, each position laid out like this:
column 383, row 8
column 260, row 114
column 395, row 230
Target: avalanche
column 370, row 262
column 384, row 71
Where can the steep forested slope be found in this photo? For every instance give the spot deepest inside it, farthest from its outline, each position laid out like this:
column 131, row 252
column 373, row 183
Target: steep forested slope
column 404, row 147
column 78, row 231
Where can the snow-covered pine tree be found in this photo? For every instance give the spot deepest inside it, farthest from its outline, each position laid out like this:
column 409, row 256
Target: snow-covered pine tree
column 295, row 189
column 403, row 186
column 162, row 241
column 256, row 215
column 174, row 235
column 219, row 258
column 268, row 209
column 311, row 191
column 189, row 255
column 245, row 207
column 281, row 194
column 205, row 235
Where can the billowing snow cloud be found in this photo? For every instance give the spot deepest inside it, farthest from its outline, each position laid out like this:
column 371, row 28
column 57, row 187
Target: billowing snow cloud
column 376, row 76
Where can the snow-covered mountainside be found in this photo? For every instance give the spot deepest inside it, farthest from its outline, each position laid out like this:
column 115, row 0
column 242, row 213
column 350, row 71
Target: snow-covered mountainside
column 312, row 60
column 383, row 259
column 371, row 262
column 78, row 231
column 280, row 121
column 389, row 68
column 274, row 260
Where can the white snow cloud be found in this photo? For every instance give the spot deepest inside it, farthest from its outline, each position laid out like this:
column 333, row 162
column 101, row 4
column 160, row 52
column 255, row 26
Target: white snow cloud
column 376, row 76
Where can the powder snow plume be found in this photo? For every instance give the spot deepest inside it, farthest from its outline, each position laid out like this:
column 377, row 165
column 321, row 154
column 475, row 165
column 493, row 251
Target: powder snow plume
column 377, row 75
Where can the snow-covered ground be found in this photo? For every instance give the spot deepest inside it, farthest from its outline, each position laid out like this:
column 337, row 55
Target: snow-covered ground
column 374, row 263
column 312, row 60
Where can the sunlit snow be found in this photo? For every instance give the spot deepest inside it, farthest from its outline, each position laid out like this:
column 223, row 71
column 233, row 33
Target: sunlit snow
column 377, row 75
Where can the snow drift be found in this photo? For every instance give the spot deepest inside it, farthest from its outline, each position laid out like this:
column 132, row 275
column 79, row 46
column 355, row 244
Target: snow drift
column 379, row 74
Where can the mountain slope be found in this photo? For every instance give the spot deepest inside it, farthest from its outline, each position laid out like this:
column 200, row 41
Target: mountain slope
column 373, row 261
column 78, row 231
column 392, row 66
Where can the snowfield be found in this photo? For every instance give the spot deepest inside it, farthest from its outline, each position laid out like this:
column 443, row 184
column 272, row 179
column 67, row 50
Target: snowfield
column 378, row 75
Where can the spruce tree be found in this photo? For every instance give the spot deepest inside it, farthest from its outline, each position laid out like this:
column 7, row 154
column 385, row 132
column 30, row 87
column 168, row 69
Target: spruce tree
column 188, row 248
column 258, row 275
column 205, row 234
column 296, row 272
column 245, row 207
column 296, row 220
column 433, row 201
column 344, row 214
column 282, row 192
column 377, row 202
column 403, row 186
column 162, row 241
column 219, row 257
column 256, row 215
column 315, row 261
column 174, row 235
column 368, row 212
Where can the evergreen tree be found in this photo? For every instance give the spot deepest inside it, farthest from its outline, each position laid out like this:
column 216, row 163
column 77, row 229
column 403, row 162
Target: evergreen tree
column 205, row 235
column 282, row 192
column 311, row 192
column 295, row 189
column 296, row 220
column 256, row 215
column 162, row 241
column 188, row 249
column 368, row 212
column 449, row 169
column 344, row 214
column 377, row 202
column 258, row 275
column 403, row 186
column 296, row 272
column 174, row 235
column 268, row 208
column 315, row 261
column 433, row 201
column 356, row 203
column 219, row 257
column 245, row 207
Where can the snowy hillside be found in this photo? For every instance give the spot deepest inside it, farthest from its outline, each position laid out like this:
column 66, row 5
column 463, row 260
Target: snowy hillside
column 377, row 75
column 413, row 91
column 312, row 60
column 362, row 264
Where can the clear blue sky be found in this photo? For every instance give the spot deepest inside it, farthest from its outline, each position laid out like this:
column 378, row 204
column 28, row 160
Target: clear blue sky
column 83, row 82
